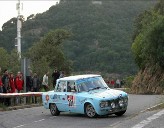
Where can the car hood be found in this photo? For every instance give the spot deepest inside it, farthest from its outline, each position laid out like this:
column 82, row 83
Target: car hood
column 106, row 94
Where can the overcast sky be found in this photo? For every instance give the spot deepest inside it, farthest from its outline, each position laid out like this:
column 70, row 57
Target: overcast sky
column 8, row 8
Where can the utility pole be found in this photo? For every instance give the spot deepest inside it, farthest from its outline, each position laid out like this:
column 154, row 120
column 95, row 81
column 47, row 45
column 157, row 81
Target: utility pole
column 19, row 26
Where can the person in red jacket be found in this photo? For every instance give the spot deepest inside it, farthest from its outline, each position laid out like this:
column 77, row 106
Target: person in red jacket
column 19, row 82
column 112, row 82
column 1, row 85
column 12, row 83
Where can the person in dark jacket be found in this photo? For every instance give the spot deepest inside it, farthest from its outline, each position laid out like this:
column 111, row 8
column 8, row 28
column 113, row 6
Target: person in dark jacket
column 35, row 86
column 5, row 82
column 1, row 88
column 55, row 76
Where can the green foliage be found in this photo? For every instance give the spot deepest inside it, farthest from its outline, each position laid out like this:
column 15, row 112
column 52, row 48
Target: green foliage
column 9, row 61
column 3, row 107
column 47, row 54
column 101, row 38
column 14, row 62
column 159, row 7
column 148, row 46
column 11, row 23
column 4, row 58
column 129, row 81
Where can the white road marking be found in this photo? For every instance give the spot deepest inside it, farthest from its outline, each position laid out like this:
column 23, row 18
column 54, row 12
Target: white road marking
column 39, row 120
column 19, row 126
column 27, row 124
column 151, row 107
column 149, row 119
column 52, row 117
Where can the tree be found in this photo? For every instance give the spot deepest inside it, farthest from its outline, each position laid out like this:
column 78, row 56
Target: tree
column 9, row 61
column 47, row 54
column 11, row 23
column 148, row 47
column 97, row 28
column 4, row 59
column 14, row 62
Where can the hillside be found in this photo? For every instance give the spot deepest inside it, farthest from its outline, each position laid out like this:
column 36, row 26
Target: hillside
column 148, row 49
column 102, row 32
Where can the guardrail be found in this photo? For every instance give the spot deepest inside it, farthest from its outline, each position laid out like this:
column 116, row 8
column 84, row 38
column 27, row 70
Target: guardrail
column 15, row 99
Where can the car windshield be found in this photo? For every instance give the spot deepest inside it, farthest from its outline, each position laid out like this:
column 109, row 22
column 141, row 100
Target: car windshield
column 93, row 83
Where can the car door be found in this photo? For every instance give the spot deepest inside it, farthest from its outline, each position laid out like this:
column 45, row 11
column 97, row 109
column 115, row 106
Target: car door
column 70, row 96
column 60, row 97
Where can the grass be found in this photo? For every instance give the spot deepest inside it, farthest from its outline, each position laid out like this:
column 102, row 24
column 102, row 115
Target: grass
column 158, row 107
column 3, row 107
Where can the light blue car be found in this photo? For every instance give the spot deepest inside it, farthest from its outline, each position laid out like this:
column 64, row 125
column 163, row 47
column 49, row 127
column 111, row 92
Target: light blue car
column 85, row 94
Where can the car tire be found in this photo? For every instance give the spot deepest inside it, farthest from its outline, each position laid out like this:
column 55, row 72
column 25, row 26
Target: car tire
column 54, row 110
column 120, row 113
column 90, row 111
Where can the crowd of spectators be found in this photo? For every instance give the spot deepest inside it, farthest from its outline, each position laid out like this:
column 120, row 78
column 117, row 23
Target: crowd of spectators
column 115, row 83
column 11, row 83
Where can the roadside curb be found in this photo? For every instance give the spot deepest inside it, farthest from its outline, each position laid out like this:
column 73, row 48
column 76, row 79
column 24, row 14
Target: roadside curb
column 147, row 109
column 23, row 106
column 19, row 107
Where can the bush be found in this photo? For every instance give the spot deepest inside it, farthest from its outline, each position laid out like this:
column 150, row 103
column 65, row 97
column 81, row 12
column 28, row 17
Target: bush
column 128, row 81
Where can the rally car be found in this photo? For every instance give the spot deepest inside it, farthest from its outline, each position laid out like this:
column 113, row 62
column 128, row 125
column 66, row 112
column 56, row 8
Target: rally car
column 85, row 94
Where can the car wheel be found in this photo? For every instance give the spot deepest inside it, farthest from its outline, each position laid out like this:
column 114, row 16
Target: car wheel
column 120, row 113
column 90, row 111
column 54, row 110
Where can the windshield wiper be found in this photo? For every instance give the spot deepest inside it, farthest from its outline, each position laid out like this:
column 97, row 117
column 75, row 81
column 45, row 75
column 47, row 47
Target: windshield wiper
column 104, row 87
column 94, row 88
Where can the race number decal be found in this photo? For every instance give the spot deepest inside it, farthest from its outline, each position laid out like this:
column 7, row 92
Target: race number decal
column 71, row 100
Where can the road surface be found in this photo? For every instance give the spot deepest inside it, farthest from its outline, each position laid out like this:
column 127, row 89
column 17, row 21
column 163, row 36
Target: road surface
column 38, row 117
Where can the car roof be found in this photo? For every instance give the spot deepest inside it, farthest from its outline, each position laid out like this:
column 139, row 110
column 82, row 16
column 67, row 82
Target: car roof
column 77, row 77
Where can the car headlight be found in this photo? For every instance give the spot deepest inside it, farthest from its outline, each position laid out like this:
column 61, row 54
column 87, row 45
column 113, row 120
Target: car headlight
column 121, row 102
column 126, row 99
column 113, row 105
column 104, row 104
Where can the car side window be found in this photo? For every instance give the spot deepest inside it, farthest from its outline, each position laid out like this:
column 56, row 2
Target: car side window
column 71, row 87
column 61, row 86
column 82, row 87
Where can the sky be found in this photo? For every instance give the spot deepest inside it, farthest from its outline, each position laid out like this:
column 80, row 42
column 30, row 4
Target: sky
column 8, row 8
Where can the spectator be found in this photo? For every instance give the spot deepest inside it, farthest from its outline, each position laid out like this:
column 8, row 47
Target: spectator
column 35, row 86
column 45, row 82
column 5, row 81
column 112, row 82
column 19, row 82
column 1, row 89
column 62, row 74
column 1, row 85
column 12, row 83
column 118, row 83
column 29, row 82
column 55, row 76
column 122, row 83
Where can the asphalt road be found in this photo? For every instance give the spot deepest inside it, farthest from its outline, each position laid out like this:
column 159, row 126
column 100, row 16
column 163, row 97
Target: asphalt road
column 38, row 117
